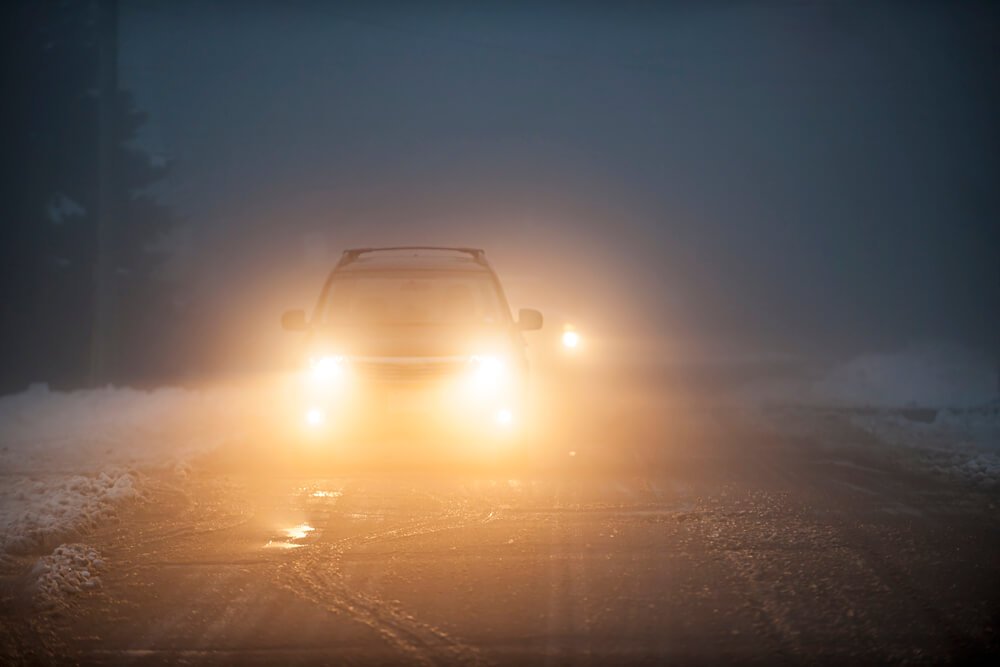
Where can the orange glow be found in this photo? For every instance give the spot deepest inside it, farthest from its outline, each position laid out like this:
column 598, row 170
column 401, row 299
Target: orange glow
column 299, row 532
column 571, row 339
column 315, row 417
column 292, row 537
column 504, row 417
column 487, row 372
column 327, row 370
column 400, row 346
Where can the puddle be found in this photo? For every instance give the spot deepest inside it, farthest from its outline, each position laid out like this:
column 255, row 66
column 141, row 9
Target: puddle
column 271, row 544
column 293, row 537
column 299, row 532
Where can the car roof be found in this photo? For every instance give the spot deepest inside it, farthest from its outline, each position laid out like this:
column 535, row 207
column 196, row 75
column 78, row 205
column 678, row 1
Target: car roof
column 413, row 261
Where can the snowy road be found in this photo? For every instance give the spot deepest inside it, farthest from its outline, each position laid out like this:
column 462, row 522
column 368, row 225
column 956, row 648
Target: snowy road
column 736, row 546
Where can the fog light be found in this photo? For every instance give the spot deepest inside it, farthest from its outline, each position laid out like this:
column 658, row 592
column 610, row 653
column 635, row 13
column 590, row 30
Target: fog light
column 571, row 340
column 315, row 417
column 326, row 370
column 505, row 417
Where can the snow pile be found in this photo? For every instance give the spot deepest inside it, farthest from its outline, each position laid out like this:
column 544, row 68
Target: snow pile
column 925, row 375
column 964, row 428
column 935, row 404
column 38, row 513
column 934, row 376
column 67, row 571
column 964, row 442
column 88, row 430
column 71, row 458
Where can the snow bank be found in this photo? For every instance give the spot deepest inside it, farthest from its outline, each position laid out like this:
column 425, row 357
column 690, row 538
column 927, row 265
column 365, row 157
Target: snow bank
column 89, row 430
column 40, row 512
column 925, row 375
column 70, row 459
column 937, row 405
column 934, row 376
column 68, row 570
column 963, row 442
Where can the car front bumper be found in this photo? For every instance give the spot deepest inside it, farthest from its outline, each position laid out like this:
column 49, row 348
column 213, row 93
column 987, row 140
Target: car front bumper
column 391, row 404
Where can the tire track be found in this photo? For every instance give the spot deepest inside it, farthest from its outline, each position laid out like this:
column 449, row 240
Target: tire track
column 315, row 576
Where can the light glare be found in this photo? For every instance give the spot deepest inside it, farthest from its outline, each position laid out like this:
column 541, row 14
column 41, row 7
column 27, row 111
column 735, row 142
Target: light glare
column 328, row 368
column 315, row 417
column 487, row 371
column 299, row 532
column 571, row 340
column 505, row 417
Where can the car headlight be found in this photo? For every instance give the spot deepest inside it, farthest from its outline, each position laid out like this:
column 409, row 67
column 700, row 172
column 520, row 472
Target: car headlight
column 571, row 340
column 315, row 417
column 326, row 370
column 486, row 372
column 504, row 417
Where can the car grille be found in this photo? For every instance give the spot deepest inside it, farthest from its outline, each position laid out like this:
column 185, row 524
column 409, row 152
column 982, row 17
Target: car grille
column 408, row 369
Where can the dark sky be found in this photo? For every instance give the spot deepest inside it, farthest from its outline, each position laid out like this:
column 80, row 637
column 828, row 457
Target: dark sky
column 805, row 178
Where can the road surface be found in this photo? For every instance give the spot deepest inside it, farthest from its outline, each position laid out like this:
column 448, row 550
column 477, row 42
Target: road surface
column 730, row 545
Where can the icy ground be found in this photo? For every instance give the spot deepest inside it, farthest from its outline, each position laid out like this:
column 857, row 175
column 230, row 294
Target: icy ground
column 932, row 407
column 70, row 460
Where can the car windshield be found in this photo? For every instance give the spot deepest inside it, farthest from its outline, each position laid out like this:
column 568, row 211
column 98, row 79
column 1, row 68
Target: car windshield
column 418, row 298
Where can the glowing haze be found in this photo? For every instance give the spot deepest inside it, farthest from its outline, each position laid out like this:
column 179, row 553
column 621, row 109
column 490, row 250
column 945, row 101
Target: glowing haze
column 804, row 179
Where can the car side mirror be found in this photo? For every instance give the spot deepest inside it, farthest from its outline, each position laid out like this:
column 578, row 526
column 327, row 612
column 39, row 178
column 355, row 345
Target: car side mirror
column 529, row 319
column 294, row 320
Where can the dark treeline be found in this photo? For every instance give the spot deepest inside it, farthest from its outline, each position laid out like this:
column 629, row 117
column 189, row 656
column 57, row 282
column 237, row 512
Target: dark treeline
column 49, row 200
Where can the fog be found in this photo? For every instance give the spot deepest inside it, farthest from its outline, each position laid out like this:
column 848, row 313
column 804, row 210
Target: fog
column 793, row 180
column 760, row 422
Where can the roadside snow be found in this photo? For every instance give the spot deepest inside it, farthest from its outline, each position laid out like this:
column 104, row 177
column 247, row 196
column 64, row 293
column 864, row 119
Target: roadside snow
column 932, row 376
column 68, row 570
column 69, row 460
column 964, row 442
column 935, row 376
column 937, row 404
column 39, row 512
column 43, row 430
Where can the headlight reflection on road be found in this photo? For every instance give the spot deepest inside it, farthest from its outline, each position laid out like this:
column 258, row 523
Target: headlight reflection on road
column 326, row 494
column 299, row 532
column 293, row 537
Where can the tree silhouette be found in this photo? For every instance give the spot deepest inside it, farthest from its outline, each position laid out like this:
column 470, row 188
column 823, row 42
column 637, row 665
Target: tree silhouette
column 49, row 196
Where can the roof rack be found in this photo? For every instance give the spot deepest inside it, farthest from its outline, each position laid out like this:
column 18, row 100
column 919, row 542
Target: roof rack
column 351, row 254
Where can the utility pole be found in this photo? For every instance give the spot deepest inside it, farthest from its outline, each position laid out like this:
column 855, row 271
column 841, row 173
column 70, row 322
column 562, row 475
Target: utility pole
column 103, row 311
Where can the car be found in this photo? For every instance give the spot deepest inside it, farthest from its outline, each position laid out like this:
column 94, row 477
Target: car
column 413, row 340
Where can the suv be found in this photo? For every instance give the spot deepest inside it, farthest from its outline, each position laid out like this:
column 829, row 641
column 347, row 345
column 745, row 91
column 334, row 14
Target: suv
column 414, row 339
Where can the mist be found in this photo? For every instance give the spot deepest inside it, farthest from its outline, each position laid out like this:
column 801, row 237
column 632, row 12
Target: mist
column 499, row 333
column 808, row 178
column 806, row 181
